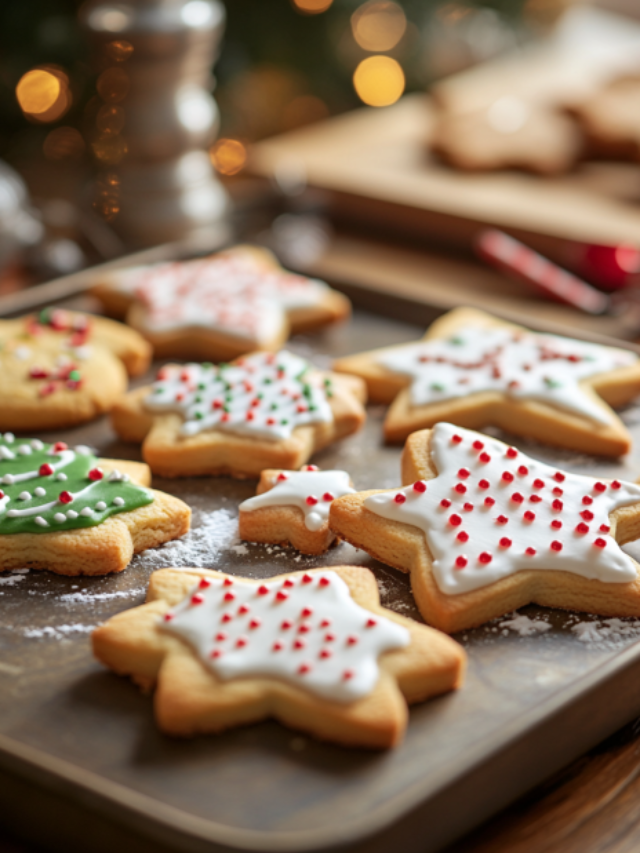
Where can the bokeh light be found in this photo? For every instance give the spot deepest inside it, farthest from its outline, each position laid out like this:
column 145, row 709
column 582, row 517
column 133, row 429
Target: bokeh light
column 119, row 51
column 305, row 109
column 378, row 26
column 113, row 85
column 63, row 143
column 109, row 150
column 110, row 119
column 379, row 81
column 312, row 7
column 43, row 94
column 228, row 156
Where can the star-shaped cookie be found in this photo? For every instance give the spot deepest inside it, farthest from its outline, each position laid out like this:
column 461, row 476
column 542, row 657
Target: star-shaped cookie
column 475, row 370
column 220, row 307
column 484, row 529
column 610, row 119
column 265, row 410
column 64, row 510
column 59, row 368
column 313, row 649
column 292, row 507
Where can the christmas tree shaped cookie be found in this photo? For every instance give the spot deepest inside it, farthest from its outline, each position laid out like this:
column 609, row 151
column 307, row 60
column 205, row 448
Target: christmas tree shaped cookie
column 484, row 529
column 220, row 307
column 64, row 510
column 313, row 649
column 266, row 410
column 292, row 507
column 474, row 370
column 60, row 368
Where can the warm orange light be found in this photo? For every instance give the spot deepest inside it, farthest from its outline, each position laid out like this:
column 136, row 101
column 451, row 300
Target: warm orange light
column 379, row 81
column 302, row 110
column 119, row 51
column 109, row 150
column 63, row 143
column 113, row 85
column 312, row 7
column 228, row 156
column 110, row 120
column 43, row 94
column 378, row 26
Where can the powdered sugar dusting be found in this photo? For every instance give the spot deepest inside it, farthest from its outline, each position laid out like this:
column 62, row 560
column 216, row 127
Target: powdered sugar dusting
column 96, row 597
column 211, row 534
column 525, row 626
column 57, row 633
column 607, row 634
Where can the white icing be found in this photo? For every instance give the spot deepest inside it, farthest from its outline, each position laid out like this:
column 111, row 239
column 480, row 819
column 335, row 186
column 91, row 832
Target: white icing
column 83, row 450
column 483, row 526
column 100, row 506
column 199, row 624
column 86, row 512
column 524, row 366
column 200, row 394
column 19, row 513
column 24, row 450
column 233, row 294
column 36, row 444
column 118, row 501
column 59, row 517
column 66, row 457
column 320, row 486
column 39, row 492
column 61, row 477
column 72, row 514
column 9, row 437
column 41, row 521
column 5, row 453
column 24, row 496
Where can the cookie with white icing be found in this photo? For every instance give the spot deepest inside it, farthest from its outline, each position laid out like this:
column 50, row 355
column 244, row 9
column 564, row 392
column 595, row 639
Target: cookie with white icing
column 313, row 649
column 60, row 368
column 484, row 529
column 219, row 307
column 265, row 410
column 292, row 508
column 475, row 370
column 64, row 510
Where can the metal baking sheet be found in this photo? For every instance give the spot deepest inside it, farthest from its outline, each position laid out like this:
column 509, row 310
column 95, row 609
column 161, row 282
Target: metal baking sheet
column 81, row 761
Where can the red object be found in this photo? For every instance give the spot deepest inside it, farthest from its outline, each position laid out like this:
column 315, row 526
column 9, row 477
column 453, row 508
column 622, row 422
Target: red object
column 513, row 257
column 420, row 486
column 95, row 474
column 45, row 470
column 556, row 546
column 204, row 583
column 399, row 498
column 65, row 497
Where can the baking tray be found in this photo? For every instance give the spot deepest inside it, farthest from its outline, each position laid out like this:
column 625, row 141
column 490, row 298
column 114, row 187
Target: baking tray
column 82, row 763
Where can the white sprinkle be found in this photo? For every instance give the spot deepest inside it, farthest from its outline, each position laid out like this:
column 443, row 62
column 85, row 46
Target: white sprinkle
column 24, row 496
column 9, row 437
column 22, row 353
column 39, row 492
column 82, row 353
column 41, row 521
column 61, row 477
column 125, row 478
column 24, row 449
column 13, row 513
column 8, row 479
column 87, row 511
column 115, row 476
column 36, row 444
column 72, row 514
column 83, row 450
column 118, row 501
column 60, row 517
column 5, row 453
column 63, row 361
column 100, row 506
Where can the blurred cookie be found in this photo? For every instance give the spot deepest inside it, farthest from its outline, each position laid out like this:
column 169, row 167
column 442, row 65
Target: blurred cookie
column 610, row 120
column 510, row 134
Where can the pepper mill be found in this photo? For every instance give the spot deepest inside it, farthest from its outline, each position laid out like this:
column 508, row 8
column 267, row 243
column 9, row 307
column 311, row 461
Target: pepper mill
column 153, row 119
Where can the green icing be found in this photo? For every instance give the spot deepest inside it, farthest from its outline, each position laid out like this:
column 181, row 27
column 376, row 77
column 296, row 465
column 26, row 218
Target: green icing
column 19, row 457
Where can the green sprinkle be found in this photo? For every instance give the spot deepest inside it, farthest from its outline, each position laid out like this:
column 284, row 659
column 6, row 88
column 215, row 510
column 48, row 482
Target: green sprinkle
column 207, row 365
column 198, row 399
column 268, row 381
column 43, row 317
column 273, row 407
column 327, row 383
column 284, row 422
column 158, row 390
column 223, row 365
column 74, row 375
column 313, row 408
column 329, row 394
column 552, row 383
column 202, row 386
column 260, row 396
column 198, row 416
column 436, row 386
column 307, row 391
column 457, row 341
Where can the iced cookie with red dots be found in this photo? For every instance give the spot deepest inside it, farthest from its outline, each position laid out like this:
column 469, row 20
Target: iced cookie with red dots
column 265, row 410
column 292, row 508
column 315, row 650
column 220, row 307
column 64, row 510
column 474, row 370
column 484, row 529
column 60, row 368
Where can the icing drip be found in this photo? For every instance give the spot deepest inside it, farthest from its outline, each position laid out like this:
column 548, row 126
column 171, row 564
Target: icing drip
column 79, row 496
column 492, row 511
column 234, row 294
column 524, row 366
column 306, row 630
column 264, row 395
column 310, row 490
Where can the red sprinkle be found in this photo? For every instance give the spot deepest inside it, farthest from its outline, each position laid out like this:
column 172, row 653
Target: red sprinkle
column 582, row 527
column 281, row 596
column 489, row 501
column 468, row 507
column 306, row 578
column 523, row 470
column 325, row 653
column 529, row 516
column 559, row 477
column 485, row 557
column 254, row 623
column 311, row 500
column 556, row 546
column 45, row 470
column 306, row 612
column 461, row 562
column 462, row 536
column 205, row 583
column 535, row 499
column 477, row 445
column 604, row 528
column 463, row 473
column 530, row 552
column 229, row 596
column 329, row 638
column 587, row 500
column 242, row 610
column 445, row 502
column 351, row 641
column 484, row 484
column 216, row 653
column 286, row 624
column 600, row 487
column 556, row 524
column 347, row 674
column 95, row 474
column 197, row 598
column 558, row 492
column 221, row 636
column 277, row 646
column 227, row 582
column 517, row 498
column 505, row 543
column 371, row 623
column 227, row 617
column 420, row 486
column 325, row 623
column 484, row 457
column 511, row 452
column 400, row 498
column 65, row 497
column 241, row 642
column 502, row 519
column 282, row 476
column 616, row 484
column 538, row 484
column 557, row 505
column 456, row 439
column 59, row 446
column 287, row 582
column 168, row 617
column 587, row 515
column 600, row 543
column 263, row 590
column 298, row 644
column 455, row 520
column 507, row 477
column 460, row 488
